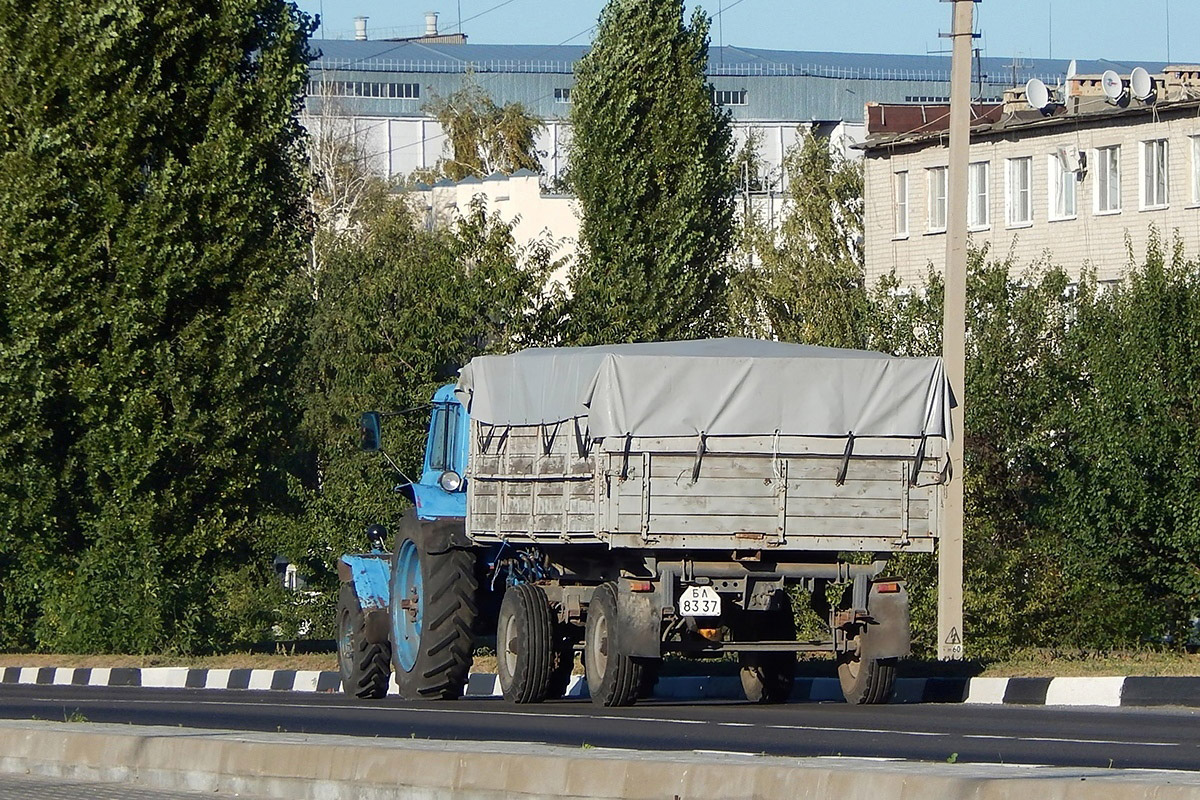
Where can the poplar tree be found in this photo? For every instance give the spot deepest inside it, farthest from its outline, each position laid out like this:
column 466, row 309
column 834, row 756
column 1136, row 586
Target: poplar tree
column 650, row 164
column 151, row 218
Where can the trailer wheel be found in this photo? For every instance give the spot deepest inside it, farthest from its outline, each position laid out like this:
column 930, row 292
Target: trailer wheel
column 866, row 680
column 769, row 677
column 432, row 611
column 364, row 667
column 613, row 678
column 524, row 644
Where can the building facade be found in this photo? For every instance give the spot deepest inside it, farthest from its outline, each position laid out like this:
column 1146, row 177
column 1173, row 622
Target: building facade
column 383, row 86
column 1075, row 185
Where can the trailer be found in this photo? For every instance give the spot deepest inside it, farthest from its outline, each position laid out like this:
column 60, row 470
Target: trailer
column 638, row 500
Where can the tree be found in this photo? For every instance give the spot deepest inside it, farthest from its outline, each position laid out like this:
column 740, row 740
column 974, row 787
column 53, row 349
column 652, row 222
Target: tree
column 483, row 138
column 649, row 162
column 401, row 309
column 343, row 186
column 152, row 209
column 805, row 281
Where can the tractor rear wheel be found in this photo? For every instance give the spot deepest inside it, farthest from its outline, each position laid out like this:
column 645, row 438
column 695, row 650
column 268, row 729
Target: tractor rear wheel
column 432, row 612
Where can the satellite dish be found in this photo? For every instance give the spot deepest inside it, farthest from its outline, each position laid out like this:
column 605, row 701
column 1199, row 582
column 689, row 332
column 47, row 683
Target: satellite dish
column 1036, row 94
column 1110, row 82
column 1141, row 85
column 1072, row 69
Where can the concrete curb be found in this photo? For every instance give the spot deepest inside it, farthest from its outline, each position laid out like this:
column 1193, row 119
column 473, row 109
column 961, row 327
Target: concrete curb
column 1090, row 691
column 307, row 767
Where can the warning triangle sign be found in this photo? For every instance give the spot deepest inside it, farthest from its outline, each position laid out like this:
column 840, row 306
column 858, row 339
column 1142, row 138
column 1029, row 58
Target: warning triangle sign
column 954, row 638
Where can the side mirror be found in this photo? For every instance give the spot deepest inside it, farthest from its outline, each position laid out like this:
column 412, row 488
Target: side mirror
column 368, row 431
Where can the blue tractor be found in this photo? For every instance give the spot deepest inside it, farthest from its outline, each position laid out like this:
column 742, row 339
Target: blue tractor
column 417, row 605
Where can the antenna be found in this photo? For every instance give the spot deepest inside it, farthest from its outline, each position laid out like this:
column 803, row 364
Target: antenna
column 1036, row 94
column 1072, row 69
column 1113, row 88
column 1141, row 85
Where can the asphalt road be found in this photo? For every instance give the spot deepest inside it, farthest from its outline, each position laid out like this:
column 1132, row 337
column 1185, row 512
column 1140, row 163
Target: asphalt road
column 1118, row 737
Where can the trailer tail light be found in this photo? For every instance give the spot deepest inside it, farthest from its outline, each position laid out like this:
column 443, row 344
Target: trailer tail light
column 641, row 586
column 888, row 587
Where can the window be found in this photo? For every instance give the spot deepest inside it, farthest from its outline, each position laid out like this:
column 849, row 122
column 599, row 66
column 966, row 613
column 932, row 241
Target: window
column 1108, row 180
column 562, row 95
column 403, row 91
column 1019, row 198
column 1061, row 182
column 978, row 207
column 442, row 435
column 937, row 199
column 729, row 97
column 1196, row 170
column 1154, row 174
column 900, row 195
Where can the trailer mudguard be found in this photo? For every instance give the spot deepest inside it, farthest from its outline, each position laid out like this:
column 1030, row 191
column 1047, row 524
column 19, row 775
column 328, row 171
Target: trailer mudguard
column 639, row 617
column 889, row 635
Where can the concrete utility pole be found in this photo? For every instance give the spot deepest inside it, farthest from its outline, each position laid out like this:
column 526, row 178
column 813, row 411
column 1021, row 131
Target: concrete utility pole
column 950, row 547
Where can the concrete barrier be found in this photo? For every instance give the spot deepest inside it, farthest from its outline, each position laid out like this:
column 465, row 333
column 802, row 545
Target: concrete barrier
column 306, row 767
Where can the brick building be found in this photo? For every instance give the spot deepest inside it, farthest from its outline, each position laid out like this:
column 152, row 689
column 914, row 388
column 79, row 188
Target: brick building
column 1069, row 183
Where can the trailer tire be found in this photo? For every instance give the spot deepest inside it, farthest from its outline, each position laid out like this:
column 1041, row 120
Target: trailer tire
column 866, row 680
column 365, row 667
column 613, row 677
column 432, row 612
column 768, row 678
column 524, row 644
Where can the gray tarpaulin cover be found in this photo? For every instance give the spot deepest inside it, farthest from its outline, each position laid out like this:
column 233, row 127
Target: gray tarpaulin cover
column 714, row 386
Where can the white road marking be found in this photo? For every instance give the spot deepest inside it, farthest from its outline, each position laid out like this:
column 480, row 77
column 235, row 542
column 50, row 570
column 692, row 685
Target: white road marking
column 507, row 713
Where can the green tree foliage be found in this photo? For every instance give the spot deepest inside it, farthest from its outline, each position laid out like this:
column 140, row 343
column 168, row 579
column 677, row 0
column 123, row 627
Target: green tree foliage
column 1083, row 524
column 483, row 138
column 650, row 165
column 804, row 281
column 401, row 308
column 151, row 211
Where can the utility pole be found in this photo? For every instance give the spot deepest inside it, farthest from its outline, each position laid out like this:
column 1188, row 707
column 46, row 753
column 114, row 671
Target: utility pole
column 954, row 326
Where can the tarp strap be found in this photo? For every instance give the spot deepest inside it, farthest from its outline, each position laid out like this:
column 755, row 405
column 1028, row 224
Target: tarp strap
column 486, row 441
column 625, row 458
column 699, row 457
column 841, row 476
column 918, row 462
column 548, row 440
column 582, row 443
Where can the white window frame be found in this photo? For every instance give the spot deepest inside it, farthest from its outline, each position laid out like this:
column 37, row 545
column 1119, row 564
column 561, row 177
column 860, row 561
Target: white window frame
column 1058, row 178
column 977, row 200
column 1018, row 199
column 1156, row 175
column 1195, row 140
column 1108, row 175
column 935, row 181
column 900, row 202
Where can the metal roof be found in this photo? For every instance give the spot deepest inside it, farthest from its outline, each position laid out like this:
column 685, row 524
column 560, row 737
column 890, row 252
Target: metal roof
column 420, row 57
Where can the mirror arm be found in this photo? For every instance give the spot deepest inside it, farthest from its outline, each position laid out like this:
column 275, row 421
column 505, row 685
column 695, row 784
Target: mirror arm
column 395, row 466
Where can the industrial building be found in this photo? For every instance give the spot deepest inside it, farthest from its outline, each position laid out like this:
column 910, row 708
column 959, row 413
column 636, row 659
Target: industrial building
column 382, row 86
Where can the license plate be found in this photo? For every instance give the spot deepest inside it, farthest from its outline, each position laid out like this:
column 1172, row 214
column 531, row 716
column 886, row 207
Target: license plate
column 700, row 601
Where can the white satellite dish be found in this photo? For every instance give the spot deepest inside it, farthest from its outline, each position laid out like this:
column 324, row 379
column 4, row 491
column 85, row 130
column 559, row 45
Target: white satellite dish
column 1072, row 69
column 1141, row 85
column 1036, row 94
column 1110, row 83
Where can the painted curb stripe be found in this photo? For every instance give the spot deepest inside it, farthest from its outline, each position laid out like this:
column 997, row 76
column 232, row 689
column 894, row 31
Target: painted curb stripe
column 1084, row 691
